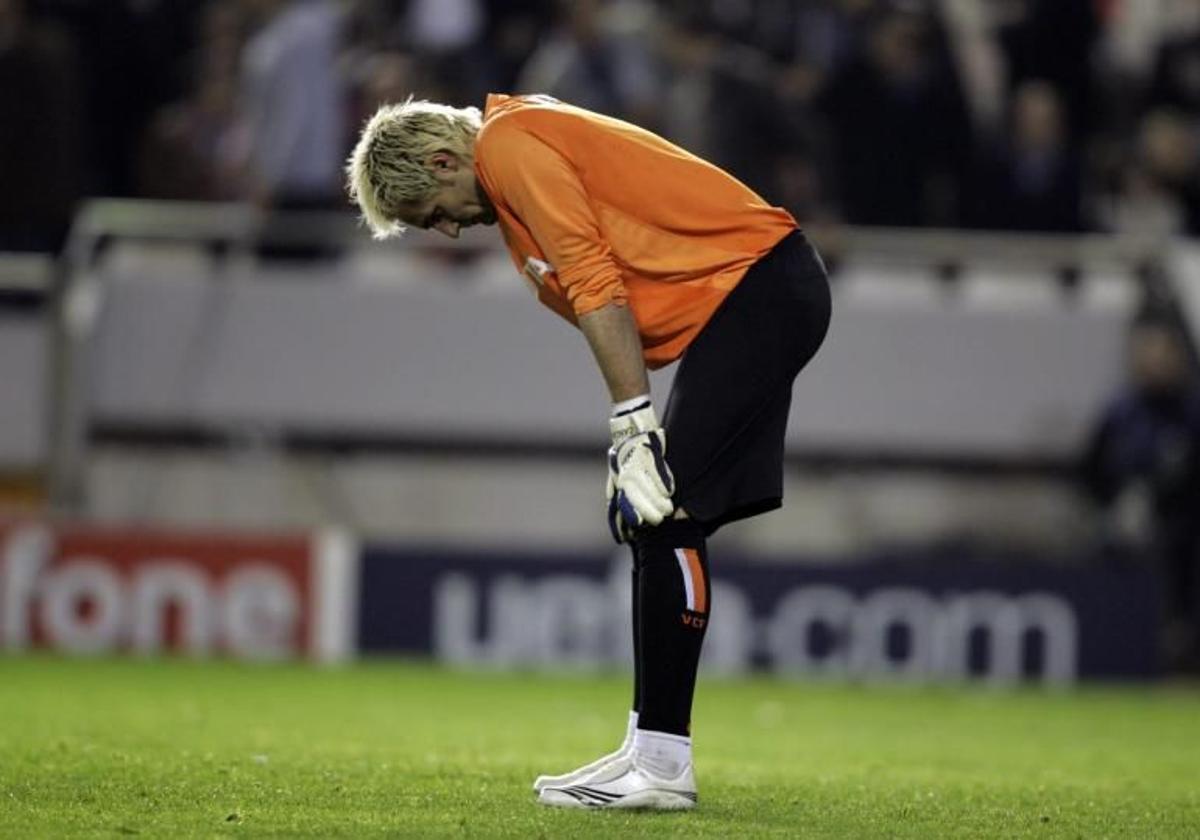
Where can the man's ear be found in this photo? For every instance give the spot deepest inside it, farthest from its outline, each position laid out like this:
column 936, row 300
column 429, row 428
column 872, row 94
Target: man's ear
column 442, row 164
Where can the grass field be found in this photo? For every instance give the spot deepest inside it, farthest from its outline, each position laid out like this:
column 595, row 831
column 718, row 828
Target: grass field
column 116, row 748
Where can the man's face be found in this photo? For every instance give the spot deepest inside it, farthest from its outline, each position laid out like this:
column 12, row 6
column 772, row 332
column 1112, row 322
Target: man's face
column 457, row 203
column 1157, row 359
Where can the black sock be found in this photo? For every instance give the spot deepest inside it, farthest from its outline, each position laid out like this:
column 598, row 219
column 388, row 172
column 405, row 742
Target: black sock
column 673, row 606
column 636, row 599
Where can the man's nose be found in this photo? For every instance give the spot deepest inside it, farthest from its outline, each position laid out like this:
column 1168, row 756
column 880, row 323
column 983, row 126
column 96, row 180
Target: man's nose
column 449, row 227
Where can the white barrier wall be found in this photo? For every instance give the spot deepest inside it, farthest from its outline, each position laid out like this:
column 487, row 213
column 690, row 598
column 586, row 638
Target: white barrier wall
column 24, row 351
column 430, row 349
column 438, row 499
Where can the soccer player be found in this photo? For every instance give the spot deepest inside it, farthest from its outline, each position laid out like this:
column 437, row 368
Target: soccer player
column 655, row 255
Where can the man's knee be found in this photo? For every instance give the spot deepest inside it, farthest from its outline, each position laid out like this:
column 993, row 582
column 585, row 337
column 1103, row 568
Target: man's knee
column 659, row 542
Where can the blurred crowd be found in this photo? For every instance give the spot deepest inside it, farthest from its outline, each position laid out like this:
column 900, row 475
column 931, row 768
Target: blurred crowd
column 1041, row 115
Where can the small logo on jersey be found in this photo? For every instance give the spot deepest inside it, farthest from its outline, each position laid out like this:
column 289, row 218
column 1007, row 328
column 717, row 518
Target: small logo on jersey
column 694, row 620
column 536, row 271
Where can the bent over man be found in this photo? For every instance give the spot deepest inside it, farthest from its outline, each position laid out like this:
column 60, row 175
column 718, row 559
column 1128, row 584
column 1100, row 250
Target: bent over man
column 655, row 255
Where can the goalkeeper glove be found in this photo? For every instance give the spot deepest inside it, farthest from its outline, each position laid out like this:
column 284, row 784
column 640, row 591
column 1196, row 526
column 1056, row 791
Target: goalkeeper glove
column 640, row 484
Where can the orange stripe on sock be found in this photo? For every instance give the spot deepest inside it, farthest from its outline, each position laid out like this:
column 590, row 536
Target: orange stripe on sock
column 693, row 559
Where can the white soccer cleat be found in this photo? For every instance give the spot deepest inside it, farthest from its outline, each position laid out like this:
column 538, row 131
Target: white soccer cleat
column 600, row 763
column 623, row 784
column 583, row 772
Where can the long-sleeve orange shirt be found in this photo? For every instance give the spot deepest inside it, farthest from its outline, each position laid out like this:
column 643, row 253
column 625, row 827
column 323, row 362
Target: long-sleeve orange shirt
column 595, row 210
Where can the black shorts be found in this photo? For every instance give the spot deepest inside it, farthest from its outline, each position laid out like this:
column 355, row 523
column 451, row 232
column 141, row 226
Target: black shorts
column 728, row 408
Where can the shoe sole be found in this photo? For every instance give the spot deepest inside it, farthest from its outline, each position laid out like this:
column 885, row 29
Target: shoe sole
column 642, row 800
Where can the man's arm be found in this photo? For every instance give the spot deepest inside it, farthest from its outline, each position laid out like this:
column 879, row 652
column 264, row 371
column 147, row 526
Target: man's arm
column 640, row 483
column 612, row 334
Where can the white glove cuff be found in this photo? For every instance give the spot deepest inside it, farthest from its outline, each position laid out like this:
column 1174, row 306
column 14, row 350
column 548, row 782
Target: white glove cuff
column 626, row 406
column 633, row 422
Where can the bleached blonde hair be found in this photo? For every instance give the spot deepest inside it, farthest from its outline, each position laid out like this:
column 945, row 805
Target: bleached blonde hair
column 387, row 168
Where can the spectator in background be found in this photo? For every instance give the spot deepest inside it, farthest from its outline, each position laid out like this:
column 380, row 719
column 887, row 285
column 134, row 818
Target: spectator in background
column 381, row 78
column 972, row 40
column 830, row 32
column 1032, row 179
column 445, row 36
column 511, row 33
column 130, row 57
column 1133, row 33
column 193, row 147
column 898, row 127
column 748, row 74
column 1154, row 187
column 1054, row 40
column 1139, row 205
column 597, row 56
column 1175, row 80
column 39, row 152
column 1142, row 467
column 1167, row 150
column 293, row 102
column 382, row 62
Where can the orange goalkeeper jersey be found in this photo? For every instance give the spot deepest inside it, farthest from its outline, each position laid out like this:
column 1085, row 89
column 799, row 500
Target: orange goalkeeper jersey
column 595, row 210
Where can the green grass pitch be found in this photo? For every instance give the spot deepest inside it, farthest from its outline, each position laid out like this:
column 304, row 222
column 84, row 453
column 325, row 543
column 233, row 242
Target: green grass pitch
column 173, row 748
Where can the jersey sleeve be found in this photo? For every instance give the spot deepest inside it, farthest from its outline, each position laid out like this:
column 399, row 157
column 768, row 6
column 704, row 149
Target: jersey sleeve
column 542, row 188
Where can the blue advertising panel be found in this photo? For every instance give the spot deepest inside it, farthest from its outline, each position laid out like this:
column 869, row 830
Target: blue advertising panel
column 930, row 619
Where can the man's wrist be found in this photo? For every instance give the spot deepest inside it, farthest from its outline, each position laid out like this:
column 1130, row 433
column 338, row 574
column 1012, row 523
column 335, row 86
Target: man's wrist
column 631, row 405
column 633, row 420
